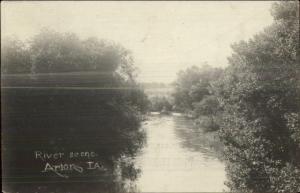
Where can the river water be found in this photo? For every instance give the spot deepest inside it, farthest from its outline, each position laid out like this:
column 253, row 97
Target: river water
column 178, row 157
column 175, row 157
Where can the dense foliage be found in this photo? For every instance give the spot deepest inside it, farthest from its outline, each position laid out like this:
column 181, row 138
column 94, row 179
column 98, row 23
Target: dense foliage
column 259, row 94
column 160, row 104
column 62, row 94
column 193, row 95
column 256, row 100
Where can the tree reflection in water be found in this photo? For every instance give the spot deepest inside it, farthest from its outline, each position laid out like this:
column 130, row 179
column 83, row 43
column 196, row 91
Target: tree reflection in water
column 196, row 139
column 112, row 131
column 118, row 176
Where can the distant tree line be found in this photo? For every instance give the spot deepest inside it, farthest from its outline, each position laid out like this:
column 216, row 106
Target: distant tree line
column 160, row 104
column 254, row 104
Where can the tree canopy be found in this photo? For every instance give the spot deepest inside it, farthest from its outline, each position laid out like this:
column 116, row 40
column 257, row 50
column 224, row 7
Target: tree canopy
column 255, row 106
column 58, row 91
column 259, row 94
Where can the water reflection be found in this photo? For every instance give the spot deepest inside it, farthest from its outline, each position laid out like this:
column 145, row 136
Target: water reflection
column 119, row 176
column 195, row 139
column 174, row 157
column 178, row 158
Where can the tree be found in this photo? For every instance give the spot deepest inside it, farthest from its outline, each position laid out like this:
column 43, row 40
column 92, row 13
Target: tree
column 192, row 85
column 259, row 95
column 207, row 113
column 15, row 58
column 86, row 88
column 160, row 104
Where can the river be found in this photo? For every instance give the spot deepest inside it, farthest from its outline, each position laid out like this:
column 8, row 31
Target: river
column 178, row 157
column 173, row 156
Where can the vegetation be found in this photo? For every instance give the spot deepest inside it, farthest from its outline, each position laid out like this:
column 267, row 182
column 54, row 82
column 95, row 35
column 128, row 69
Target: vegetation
column 58, row 91
column 256, row 99
column 260, row 98
column 160, row 104
column 193, row 95
column 84, row 91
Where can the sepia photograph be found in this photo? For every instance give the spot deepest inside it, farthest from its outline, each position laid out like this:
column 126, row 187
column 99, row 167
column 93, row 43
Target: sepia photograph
column 150, row 97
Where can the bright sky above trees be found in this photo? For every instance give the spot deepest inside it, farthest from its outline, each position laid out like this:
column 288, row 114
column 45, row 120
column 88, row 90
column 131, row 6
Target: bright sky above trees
column 165, row 37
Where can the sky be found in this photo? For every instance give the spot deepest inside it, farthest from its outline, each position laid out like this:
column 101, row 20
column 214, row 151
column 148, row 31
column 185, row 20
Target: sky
column 164, row 36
